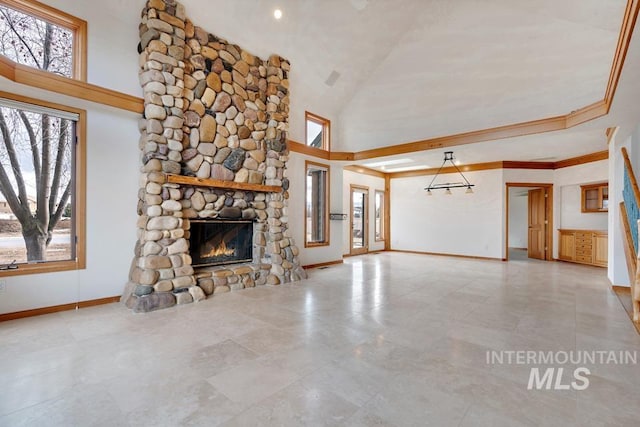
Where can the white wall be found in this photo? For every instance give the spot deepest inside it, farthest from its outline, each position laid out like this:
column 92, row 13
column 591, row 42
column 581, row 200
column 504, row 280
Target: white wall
column 518, row 218
column 112, row 172
column 112, row 40
column 296, row 173
column 462, row 224
column 476, row 225
column 571, row 215
column 373, row 183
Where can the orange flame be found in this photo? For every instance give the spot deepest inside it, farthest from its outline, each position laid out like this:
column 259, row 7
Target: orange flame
column 220, row 250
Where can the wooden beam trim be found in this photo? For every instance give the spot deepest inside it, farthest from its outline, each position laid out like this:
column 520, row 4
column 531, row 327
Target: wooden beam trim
column 581, row 160
column 508, row 164
column 501, row 132
column 33, row 77
column 306, row 150
column 585, row 114
column 365, row 171
column 341, row 155
column 216, row 183
column 624, row 40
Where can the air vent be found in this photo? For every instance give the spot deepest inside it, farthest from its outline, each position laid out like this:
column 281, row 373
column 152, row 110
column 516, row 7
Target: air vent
column 359, row 4
column 333, row 77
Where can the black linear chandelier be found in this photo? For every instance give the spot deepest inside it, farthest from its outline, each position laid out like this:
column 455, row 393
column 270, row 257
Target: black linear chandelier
column 447, row 186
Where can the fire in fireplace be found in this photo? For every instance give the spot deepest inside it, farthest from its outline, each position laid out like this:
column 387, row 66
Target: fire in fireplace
column 217, row 242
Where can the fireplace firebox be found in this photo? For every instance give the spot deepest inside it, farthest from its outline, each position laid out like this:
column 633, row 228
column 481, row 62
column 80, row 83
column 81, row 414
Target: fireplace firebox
column 217, row 242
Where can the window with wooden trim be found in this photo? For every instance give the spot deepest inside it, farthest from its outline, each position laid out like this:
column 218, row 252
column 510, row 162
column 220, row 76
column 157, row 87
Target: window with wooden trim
column 379, row 216
column 41, row 186
column 317, row 131
column 42, row 37
column 316, row 224
column 595, row 197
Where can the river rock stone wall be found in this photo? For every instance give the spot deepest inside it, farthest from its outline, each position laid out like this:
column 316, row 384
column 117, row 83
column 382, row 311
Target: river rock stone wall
column 212, row 111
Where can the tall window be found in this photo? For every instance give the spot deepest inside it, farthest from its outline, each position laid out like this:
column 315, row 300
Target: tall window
column 39, row 162
column 379, row 215
column 42, row 37
column 317, row 204
column 317, row 131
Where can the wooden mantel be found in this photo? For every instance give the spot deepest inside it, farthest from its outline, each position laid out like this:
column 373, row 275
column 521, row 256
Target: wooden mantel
column 217, row 183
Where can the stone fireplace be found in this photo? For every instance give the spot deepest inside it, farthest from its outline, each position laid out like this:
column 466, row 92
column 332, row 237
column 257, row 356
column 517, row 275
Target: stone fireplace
column 213, row 210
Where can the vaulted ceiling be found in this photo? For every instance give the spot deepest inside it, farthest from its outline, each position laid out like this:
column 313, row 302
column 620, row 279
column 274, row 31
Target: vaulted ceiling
column 418, row 69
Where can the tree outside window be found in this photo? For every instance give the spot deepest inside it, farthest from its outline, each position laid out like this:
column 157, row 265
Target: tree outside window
column 37, row 149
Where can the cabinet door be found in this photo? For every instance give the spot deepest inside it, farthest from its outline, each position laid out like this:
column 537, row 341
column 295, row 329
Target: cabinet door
column 600, row 250
column 567, row 249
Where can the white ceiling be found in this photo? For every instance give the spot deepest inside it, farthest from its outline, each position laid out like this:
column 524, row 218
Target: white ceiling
column 418, row 69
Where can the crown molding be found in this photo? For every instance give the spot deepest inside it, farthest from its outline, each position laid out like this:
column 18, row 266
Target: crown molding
column 581, row 160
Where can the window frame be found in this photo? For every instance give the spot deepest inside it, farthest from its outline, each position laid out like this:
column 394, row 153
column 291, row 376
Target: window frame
column 79, row 195
column 307, row 166
column 326, row 130
column 382, row 215
column 61, row 19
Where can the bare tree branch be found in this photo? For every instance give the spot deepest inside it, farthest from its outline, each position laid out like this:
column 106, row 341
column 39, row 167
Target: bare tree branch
column 55, row 217
column 15, row 163
column 22, row 40
column 46, row 54
column 44, row 189
column 59, row 163
column 33, row 141
column 19, row 206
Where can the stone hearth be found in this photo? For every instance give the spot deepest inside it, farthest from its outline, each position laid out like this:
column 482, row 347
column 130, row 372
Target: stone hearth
column 213, row 145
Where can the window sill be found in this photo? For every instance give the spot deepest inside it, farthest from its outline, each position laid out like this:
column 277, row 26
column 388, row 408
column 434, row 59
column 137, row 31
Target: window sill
column 315, row 244
column 44, row 267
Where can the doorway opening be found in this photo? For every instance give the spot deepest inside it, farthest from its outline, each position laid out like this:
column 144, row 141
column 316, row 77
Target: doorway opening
column 359, row 234
column 529, row 213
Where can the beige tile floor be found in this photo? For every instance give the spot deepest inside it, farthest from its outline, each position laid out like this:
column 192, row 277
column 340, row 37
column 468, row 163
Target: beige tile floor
column 384, row 340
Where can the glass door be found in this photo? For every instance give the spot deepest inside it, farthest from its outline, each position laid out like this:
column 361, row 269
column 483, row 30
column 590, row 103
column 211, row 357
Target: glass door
column 359, row 220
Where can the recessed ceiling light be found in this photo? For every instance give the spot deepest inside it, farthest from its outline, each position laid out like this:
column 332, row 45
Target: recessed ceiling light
column 408, row 168
column 388, row 163
column 277, row 14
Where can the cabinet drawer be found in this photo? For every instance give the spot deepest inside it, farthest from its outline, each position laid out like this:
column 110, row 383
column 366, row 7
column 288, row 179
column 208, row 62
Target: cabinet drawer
column 581, row 241
column 583, row 258
column 584, row 247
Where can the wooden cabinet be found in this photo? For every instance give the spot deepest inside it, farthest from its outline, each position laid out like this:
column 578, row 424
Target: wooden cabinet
column 600, row 249
column 595, row 197
column 584, row 247
column 567, row 251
